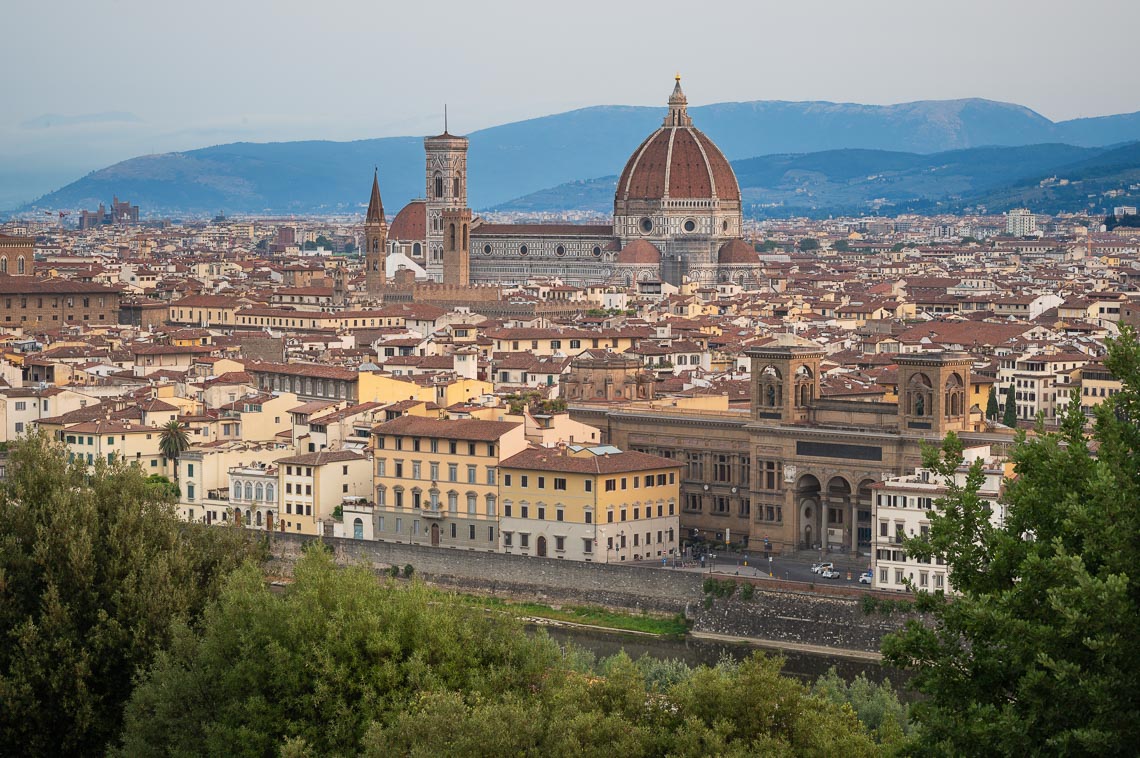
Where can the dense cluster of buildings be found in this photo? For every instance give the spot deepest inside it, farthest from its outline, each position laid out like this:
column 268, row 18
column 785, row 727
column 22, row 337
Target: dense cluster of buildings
column 595, row 393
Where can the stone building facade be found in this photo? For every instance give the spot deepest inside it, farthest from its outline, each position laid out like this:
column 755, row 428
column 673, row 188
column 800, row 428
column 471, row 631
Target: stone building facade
column 26, row 300
column 797, row 469
column 16, row 255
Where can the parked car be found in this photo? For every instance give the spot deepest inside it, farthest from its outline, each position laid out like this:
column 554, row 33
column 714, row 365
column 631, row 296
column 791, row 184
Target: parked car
column 819, row 568
column 829, row 573
column 866, row 577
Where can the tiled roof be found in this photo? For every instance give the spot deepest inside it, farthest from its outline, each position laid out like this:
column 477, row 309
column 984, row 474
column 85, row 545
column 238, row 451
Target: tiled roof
column 544, row 459
column 456, row 429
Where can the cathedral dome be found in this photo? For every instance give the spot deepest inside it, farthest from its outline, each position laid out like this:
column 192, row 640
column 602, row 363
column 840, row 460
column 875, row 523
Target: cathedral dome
column 737, row 252
column 410, row 223
column 677, row 162
column 639, row 252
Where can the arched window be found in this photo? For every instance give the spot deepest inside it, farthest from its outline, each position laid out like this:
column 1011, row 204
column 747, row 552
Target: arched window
column 490, row 505
column 771, row 387
column 259, row 518
column 456, row 192
column 3, row 265
column 259, row 492
column 919, row 391
column 438, row 184
column 465, row 236
column 237, row 490
column 20, row 265
column 417, row 250
column 248, row 491
column 270, row 493
column 451, row 235
column 357, row 529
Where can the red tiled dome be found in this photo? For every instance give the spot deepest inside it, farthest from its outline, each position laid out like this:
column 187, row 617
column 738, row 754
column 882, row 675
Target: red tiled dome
column 410, row 223
column 737, row 251
column 639, row 252
column 678, row 162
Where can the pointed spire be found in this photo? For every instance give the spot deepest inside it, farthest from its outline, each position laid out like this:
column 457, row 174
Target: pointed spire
column 678, row 106
column 375, row 204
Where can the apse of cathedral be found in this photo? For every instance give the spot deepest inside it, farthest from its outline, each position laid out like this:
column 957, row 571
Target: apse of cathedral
column 677, row 217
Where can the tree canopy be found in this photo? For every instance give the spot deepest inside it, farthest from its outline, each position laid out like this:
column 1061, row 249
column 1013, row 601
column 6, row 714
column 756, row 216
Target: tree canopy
column 94, row 567
column 340, row 664
column 1038, row 654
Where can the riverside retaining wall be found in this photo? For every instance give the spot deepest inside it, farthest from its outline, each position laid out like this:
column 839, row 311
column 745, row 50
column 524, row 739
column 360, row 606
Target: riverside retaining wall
column 780, row 616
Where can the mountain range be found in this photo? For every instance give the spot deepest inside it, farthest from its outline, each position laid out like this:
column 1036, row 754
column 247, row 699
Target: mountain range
column 516, row 159
column 1048, row 178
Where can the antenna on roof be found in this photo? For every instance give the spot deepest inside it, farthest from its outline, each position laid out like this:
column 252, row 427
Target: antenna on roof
column 445, row 118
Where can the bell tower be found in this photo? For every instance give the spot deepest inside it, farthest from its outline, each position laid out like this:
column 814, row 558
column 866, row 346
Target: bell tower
column 375, row 242
column 785, row 380
column 445, row 180
column 934, row 392
column 457, row 246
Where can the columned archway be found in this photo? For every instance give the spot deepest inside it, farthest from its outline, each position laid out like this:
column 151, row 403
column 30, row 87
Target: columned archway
column 839, row 515
column 808, row 508
column 863, row 507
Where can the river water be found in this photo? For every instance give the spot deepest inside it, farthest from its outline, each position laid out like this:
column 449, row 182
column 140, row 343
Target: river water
column 802, row 665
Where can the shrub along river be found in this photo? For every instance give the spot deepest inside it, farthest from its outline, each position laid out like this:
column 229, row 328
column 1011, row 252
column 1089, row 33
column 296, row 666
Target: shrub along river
column 804, row 665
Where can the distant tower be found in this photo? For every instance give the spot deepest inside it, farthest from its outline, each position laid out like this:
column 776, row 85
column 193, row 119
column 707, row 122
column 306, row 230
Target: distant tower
column 446, row 185
column 375, row 241
column 457, row 246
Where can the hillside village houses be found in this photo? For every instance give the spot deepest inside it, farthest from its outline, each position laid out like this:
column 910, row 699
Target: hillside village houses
column 615, row 421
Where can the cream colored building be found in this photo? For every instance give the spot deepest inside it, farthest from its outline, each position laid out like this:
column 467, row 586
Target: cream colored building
column 901, row 508
column 437, row 482
column 589, row 504
column 312, row 485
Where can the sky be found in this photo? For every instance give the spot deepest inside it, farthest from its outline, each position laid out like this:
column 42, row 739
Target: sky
column 84, row 85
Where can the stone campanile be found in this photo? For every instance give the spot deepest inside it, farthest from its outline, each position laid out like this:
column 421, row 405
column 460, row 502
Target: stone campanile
column 457, row 246
column 375, row 241
column 446, row 188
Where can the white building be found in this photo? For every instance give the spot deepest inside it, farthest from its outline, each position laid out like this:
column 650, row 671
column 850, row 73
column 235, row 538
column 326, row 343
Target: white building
column 901, row 508
column 1020, row 222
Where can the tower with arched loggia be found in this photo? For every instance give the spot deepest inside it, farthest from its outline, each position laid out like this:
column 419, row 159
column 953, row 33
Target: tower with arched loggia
column 785, row 381
column 375, row 242
column 457, row 246
column 933, row 392
column 445, row 186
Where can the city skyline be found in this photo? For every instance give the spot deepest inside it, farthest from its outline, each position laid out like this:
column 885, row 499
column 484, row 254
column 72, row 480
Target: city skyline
column 162, row 79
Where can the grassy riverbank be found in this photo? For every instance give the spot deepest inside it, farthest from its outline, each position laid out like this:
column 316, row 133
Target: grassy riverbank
column 675, row 626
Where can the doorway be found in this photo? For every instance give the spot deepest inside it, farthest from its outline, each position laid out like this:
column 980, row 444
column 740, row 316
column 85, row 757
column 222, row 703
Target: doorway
column 541, row 547
column 435, row 535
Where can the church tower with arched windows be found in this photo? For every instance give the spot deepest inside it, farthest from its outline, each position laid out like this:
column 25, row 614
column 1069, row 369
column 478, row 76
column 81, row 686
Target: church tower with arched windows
column 375, row 241
column 446, row 188
column 934, row 392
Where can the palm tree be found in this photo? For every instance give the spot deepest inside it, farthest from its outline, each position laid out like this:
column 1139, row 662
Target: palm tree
column 173, row 442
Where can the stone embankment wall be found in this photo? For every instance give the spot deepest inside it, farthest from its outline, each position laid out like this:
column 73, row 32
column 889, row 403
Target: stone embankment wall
column 779, row 616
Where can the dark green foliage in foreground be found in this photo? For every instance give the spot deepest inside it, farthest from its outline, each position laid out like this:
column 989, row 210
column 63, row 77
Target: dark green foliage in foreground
column 340, row 664
column 94, row 567
column 1039, row 655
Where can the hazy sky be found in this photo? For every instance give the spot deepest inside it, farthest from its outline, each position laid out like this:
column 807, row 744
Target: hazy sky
column 87, row 83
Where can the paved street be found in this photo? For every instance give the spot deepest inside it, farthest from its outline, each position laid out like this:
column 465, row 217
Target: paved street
column 795, row 567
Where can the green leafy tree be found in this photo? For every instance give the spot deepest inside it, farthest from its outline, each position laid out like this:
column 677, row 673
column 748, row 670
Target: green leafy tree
column 1038, row 654
column 94, row 567
column 993, row 410
column 841, row 246
column 340, row 664
column 808, row 243
column 1009, row 415
column 173, row 441
column 877, row 705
